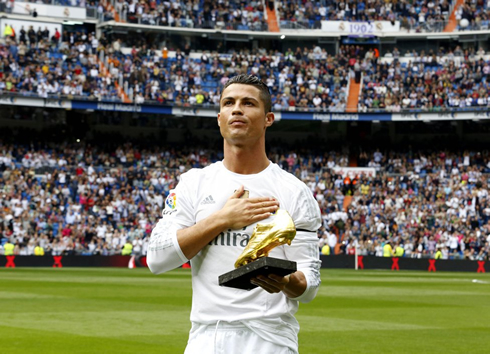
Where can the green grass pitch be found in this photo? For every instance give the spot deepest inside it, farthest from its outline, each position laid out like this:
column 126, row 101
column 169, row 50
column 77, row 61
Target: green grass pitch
column 113, row 310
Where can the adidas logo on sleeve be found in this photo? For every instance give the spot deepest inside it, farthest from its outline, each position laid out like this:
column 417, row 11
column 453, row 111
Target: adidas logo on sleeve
column 208, row 200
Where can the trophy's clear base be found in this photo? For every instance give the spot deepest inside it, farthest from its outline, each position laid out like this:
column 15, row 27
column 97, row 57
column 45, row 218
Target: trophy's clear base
column 240, row 278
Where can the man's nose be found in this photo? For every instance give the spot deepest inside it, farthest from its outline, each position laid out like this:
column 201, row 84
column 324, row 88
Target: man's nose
column 237, row 108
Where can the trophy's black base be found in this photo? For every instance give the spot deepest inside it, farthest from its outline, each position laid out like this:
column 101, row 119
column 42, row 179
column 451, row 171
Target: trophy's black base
column 240, row 278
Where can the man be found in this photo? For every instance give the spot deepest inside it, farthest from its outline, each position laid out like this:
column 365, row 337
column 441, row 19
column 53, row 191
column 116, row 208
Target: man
column 399, row 250
column 206, row 221
column 38, row 250
column 8, row 248
column 387, row 249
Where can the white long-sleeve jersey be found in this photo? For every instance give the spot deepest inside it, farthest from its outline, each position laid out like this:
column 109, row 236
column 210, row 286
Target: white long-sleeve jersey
column 202, row 192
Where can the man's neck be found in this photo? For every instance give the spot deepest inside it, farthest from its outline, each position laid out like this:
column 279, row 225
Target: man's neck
column 245, row 161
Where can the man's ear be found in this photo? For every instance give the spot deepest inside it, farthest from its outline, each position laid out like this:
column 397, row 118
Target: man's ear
column 218, row 119
column 269, row 119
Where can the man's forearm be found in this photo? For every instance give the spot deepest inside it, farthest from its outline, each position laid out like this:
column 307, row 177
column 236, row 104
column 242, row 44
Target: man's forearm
column 194, row 238
column 236, row 214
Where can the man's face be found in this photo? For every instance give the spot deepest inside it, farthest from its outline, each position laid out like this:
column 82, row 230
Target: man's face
column 242, row 116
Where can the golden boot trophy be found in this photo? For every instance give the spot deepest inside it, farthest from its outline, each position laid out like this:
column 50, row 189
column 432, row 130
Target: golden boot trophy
column 254, row 259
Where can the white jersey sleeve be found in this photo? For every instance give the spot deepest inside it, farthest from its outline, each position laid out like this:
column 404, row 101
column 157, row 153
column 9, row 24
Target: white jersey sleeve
column 164, row 252
column 304, row 248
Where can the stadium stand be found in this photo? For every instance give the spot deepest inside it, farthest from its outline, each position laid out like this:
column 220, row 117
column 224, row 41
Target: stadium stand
column 427, row 81
column 84, row 200
column 306, row 79
column 90, row 197
column 232, row 15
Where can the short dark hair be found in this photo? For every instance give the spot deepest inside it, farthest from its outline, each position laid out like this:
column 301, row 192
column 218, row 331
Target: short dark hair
column 251, row 80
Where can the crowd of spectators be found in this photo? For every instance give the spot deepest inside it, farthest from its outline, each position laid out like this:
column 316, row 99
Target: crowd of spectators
column 304, row 79
column 473, row 15
column 68, row 64
column 416, row 16
column 77, row 64
column 38, row 62
column 85, row 200
column 429, row 81
column 230, row 15
column 420, row 202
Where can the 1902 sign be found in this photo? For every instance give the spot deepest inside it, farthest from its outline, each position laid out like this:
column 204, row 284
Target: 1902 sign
column 360, row 28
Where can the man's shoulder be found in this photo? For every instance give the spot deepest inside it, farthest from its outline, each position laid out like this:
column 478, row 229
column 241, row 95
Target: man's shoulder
column 196, row 173
column 287, row 177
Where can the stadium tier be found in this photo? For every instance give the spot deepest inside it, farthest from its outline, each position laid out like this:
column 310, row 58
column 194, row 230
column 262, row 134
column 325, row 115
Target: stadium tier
column 84, row 200
column 94, row 62
column 381, row 109
column 308, row 79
